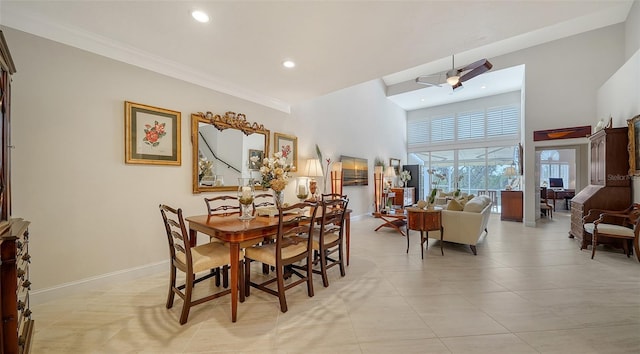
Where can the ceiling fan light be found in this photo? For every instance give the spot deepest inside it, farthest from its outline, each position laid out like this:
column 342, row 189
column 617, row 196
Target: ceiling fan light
column 453, row 80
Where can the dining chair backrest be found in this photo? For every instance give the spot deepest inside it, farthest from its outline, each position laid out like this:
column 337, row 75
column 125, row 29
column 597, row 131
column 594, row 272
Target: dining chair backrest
column 334, row 207
column 263, row 200
column 222, row 205
column 179, row 243
column 295, row 223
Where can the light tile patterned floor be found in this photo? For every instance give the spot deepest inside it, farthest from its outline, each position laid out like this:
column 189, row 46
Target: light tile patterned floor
column 528, row 290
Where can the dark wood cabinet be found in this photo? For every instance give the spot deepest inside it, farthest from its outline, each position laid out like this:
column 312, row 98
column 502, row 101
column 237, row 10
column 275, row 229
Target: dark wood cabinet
column 610, row 186
column 16, row 325
column 511, row 206
column 404, row 196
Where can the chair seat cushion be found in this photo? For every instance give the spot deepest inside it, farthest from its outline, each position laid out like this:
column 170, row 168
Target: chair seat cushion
column 610, row 229
column 208, row 256
column 328, row 239
column 267, row 253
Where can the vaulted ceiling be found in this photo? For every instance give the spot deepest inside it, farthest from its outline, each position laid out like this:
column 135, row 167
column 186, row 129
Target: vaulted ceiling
column 335, row 44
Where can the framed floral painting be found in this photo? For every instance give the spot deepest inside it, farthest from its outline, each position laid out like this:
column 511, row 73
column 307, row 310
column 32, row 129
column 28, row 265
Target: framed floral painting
column 288, row 146
column 152, row 135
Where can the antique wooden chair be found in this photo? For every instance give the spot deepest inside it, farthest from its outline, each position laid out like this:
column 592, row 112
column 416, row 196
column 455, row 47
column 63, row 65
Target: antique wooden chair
column 222, row 205
column 619, row 224
column 327, row 239
column 292, row 245
column 545, row 207
column 191, row 261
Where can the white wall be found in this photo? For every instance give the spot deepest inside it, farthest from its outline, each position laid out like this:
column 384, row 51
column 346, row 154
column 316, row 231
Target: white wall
column 359, row 122
column 92, row 215
column 619, row 96
column 562, row 78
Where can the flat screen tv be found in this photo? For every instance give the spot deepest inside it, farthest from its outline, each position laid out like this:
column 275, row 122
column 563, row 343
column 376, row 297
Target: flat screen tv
column 556, row 183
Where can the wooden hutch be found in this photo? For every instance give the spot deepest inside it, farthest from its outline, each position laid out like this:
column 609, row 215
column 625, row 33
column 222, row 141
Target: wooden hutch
column 17, row 326
column 610, row 186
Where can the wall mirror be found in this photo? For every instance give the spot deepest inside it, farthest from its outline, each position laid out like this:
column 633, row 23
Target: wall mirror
column 222, row 147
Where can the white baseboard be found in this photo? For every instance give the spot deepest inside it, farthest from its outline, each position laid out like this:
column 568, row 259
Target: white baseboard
column 45, row 295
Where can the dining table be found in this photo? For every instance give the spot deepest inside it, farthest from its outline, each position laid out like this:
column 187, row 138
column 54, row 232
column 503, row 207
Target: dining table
column 232, row 230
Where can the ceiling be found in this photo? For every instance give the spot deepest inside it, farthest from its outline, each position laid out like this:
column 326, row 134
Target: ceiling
column 335, row 44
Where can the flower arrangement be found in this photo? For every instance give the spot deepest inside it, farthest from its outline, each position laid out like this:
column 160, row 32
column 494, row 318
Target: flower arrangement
column 274, row 171
column 405, row 176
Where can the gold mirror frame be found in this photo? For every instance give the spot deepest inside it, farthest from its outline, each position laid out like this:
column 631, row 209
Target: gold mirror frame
column 230, row 120
column 634, row 145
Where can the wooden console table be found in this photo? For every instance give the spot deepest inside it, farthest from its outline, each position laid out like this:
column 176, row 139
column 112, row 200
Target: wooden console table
column 424, row 221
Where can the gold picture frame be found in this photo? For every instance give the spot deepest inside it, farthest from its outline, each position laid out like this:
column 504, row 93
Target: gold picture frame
column 288, row 146
column 151, row 135
column 634, row 145
column 395, row 163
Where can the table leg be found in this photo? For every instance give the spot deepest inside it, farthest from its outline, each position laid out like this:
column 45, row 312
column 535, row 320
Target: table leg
column 234, row 252
column 407, row 240
column 347, row 224
column 441, row 240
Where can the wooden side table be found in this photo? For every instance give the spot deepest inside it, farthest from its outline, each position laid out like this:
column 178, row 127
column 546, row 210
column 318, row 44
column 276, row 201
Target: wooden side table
column 424, row 221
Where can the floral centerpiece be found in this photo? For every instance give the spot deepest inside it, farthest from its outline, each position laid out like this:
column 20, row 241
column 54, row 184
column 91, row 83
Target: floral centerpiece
column 405, row 176
column 275, row 174
column 438, row 178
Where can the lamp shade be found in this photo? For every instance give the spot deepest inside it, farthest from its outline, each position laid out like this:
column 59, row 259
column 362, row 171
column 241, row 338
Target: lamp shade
column 390, row 172
column 314, row 168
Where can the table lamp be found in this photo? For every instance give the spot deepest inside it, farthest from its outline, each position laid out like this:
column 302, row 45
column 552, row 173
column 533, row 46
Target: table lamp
column 314, row 169
column 390, row 175
column 510, row 172
column 336, row 178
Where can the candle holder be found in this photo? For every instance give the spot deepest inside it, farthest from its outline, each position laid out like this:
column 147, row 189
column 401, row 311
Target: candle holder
column 246, row 192
column 302, row 189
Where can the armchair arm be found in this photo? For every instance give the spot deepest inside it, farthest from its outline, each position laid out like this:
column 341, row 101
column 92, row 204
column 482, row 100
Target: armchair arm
column 596, row 213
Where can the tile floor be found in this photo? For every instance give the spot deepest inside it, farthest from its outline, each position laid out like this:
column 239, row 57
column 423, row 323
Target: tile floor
column 529, row 290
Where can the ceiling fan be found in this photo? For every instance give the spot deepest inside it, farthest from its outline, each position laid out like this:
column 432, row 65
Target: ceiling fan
column 455, row 77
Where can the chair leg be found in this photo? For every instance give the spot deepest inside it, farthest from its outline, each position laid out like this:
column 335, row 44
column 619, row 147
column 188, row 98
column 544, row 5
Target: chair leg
column 473, row 249
column 247, row 277
column 280, row 280
column 594, row 242
column 241, row 283
column 341, row 259
column 636, row 247
column 323, row 267
column 217, row 271
column 310, row 275
column 172, row 284
column 188, row 288
column 225, row 276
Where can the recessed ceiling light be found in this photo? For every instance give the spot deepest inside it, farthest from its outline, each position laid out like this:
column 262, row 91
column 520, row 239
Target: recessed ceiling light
column 288, row 64
column 200, row 16
column 483, row 87
column 422, row 100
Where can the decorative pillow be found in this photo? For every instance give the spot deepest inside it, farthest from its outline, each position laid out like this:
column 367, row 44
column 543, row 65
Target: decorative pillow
column 454, row 205
column 470, row 196
column 475, row 205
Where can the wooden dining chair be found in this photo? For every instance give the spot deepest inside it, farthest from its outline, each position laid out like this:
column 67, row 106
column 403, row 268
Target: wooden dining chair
column 222, row 205
column 292, row 245
column 327, row 241
column 192, row 261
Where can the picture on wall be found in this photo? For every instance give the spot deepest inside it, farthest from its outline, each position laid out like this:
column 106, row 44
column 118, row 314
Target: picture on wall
column 355, row 171
column 288, row 146
column 152, row 135
column 395, row 163
column 254, row 166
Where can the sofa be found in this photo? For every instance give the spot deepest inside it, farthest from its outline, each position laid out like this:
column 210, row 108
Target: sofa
column 467, row 225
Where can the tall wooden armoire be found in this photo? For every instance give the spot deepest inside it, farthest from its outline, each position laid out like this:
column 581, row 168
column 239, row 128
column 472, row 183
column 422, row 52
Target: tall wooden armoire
column 610, row 187
column 16, row 327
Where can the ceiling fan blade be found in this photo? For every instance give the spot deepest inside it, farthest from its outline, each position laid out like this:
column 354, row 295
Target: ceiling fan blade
column 457, row 87
column 477, row 68
column 428, row 80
